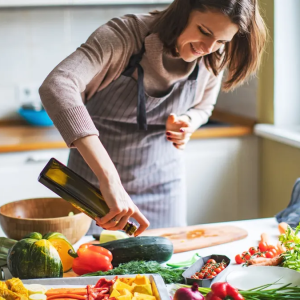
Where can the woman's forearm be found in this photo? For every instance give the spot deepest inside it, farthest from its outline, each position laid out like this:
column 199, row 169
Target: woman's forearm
column 95, row 155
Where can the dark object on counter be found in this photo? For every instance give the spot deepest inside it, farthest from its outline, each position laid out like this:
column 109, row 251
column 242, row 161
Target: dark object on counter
column 76, row 190
column 291, row 215
column 35, row 114
column 197, row 266
column 145, row 248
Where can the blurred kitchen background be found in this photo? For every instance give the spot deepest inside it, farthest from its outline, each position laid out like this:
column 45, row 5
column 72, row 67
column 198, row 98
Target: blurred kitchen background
column 241, row 165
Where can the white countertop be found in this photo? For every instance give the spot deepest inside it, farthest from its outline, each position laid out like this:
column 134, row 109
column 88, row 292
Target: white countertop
column 254, row 227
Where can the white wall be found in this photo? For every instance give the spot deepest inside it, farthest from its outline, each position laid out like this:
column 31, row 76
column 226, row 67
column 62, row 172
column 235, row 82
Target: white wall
column 34, row 40
column 242, row 101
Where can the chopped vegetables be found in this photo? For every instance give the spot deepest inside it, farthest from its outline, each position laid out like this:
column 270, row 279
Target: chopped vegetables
column 100, row 291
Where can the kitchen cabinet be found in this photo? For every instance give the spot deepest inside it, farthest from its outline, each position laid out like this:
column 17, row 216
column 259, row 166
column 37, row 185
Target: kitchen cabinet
column 222, row 179
column 19, row 174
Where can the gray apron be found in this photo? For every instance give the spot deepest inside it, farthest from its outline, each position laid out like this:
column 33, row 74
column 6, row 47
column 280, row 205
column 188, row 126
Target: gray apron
column 133, row 131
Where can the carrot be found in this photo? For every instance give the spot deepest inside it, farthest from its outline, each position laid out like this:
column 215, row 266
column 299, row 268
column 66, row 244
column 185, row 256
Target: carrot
column 264, row 238
column 72, row 296
column 62, row 291
column 262, row 261
column 280, row 248
column 283, row 227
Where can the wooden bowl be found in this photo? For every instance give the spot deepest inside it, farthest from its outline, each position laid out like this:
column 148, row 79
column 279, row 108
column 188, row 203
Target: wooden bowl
column 43, row 215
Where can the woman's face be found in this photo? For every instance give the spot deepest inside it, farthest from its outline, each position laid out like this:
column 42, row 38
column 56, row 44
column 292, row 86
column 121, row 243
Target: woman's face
column 205, row 33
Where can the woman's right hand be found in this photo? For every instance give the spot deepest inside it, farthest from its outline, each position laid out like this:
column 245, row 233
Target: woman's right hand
column 118, row 201
column 121, row 207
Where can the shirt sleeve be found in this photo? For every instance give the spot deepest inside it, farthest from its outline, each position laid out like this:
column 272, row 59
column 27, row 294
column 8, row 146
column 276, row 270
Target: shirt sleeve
column 100, row 60
column 206, row 98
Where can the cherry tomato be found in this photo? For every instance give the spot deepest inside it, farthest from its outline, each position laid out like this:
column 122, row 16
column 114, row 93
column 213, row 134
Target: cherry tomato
column 214, row 273
column 270, row 247
column 252, row 250
column 269, row 254
column 211, row 261
column 274, row 251
column 238, row 259
column 246, row 255
column 218, row 270
column 201, row 276
column 263, row 246
column 210, row 276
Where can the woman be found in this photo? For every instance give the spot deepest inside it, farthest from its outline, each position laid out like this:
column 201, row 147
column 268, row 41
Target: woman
column 145, row 83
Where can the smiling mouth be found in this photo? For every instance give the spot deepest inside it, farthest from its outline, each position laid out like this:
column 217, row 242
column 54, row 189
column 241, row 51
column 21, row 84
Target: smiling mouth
column 195, row 51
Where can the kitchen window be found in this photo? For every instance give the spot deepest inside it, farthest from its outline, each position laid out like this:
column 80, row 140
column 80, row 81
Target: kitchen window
column 286, row 80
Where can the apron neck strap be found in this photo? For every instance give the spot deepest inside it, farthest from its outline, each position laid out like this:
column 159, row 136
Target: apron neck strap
column 194, row 74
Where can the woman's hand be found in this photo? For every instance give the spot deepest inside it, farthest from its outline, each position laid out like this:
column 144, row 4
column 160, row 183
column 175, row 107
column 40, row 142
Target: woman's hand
column 120, row 205
column 178, row 130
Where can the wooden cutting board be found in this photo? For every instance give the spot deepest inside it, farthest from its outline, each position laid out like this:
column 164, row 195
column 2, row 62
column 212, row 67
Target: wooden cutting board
column 198, row 236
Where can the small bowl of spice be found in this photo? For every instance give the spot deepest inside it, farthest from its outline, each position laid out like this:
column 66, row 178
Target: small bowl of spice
column 206, row 270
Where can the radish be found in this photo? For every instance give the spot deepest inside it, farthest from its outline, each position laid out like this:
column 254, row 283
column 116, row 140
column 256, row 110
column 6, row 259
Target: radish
column 188, row 293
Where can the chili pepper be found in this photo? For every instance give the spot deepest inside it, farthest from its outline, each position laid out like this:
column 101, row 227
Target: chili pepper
column 90, row 258
column 223, row 291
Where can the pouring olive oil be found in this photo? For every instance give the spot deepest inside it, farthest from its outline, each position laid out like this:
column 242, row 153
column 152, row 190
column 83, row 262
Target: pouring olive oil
column 76, row 190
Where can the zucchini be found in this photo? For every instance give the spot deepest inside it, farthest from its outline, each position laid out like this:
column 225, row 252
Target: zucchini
column 146, row 248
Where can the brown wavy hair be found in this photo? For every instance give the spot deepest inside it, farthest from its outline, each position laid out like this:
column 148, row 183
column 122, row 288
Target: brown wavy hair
column 241, row 56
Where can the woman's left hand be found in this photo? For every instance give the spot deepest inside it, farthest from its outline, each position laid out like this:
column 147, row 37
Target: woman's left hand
column 178, row 130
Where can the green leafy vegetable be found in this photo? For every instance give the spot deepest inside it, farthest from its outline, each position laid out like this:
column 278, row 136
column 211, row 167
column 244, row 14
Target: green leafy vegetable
column 141, row 267
column 291, row 241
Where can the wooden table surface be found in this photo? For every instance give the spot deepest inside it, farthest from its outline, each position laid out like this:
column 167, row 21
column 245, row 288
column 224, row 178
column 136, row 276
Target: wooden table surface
column 17, row 136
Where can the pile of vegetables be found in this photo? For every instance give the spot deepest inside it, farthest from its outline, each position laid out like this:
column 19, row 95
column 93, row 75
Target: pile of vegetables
column 222, row 290
column 264, row 250
column 291, row 241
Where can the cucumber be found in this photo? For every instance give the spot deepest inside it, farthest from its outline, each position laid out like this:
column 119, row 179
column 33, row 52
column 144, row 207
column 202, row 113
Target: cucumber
column 146, row 248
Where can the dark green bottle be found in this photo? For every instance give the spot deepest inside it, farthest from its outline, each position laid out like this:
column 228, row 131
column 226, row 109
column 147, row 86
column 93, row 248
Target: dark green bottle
column 76, row 190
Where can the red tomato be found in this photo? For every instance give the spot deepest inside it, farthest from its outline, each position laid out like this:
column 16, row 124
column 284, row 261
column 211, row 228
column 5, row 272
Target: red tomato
column 214, row 273
column 274, row 252
column 263, row 246
column 201, row 276
column 210, row 276
column 270, row 247
column 246, row 255
column 218, row 270
column 211, row 261
column 269, row 254
column 238, row 259
column 252, row 250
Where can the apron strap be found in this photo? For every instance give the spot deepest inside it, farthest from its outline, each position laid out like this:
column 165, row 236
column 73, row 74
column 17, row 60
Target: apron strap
column 194, row 74
column 134, row 63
